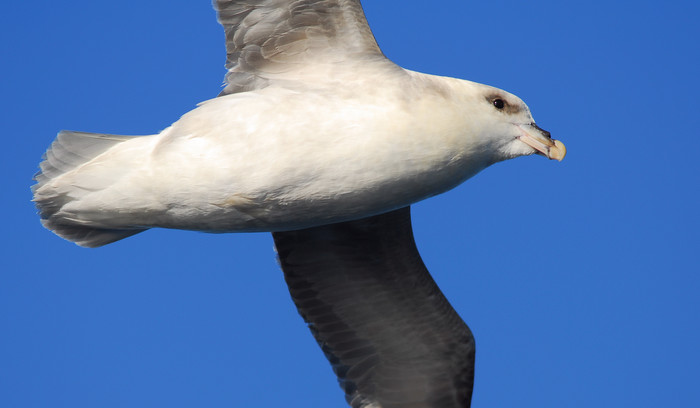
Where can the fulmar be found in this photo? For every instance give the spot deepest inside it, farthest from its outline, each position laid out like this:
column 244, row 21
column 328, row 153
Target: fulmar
column 318, row 138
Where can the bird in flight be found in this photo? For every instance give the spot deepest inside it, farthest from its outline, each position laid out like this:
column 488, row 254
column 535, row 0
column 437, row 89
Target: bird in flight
column 318, row 138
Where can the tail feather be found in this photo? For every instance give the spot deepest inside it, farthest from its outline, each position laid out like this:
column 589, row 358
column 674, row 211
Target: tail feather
column 89, row 237
column 72, row 149
column 68, row 152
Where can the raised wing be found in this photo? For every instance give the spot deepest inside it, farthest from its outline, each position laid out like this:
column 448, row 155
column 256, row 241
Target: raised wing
column 392, row 338
column 268, row 39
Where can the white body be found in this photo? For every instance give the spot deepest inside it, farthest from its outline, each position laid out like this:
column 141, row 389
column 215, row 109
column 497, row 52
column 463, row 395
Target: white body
column 330, row 154
column 315, row 129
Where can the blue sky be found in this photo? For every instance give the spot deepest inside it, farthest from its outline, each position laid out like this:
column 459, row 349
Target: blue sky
column 579, row 279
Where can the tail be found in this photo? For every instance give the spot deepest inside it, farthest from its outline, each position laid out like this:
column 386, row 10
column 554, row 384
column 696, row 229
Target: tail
column 68, row 152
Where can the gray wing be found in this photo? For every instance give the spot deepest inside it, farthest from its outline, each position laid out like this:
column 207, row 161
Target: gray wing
column 268, row 39
column 392, row 338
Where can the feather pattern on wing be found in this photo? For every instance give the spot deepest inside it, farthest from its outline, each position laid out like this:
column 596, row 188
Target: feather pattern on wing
column 269, row 39
column 393, row 339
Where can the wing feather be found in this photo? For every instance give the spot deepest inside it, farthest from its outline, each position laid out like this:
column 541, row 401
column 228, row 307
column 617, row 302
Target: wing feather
column 391, row 336
column 269, row 39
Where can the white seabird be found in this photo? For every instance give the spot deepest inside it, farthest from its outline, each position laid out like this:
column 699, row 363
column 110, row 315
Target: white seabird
column 322, row 140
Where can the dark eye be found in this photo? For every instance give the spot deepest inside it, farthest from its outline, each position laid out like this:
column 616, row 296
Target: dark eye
column 499, row 104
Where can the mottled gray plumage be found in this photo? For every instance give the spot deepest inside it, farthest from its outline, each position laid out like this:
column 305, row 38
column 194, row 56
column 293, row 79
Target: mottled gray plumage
column 269, row 37
column 393, row 339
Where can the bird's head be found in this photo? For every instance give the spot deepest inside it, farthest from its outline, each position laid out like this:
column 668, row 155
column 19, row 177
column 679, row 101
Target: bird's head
column 506, row 127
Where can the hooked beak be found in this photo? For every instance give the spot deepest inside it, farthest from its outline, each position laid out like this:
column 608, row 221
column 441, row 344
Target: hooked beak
column 542, row 141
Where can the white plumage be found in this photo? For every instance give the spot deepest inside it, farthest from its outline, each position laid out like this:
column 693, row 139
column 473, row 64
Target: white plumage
column 310, row 130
